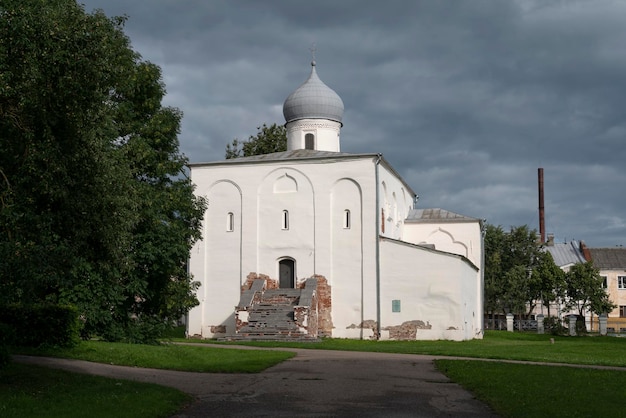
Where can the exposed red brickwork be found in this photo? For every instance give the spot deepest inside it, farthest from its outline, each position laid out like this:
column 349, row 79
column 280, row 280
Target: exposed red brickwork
column 315, row 320
column 269, row 283
column 256, row 299
column 585, row 251
column 278, row 300
column 302, row 317
column 307, row 317
column 218, row 329
column 313, row 324
column 407, row 330
column 238, row 322
column 324, row 304
column 368, row 324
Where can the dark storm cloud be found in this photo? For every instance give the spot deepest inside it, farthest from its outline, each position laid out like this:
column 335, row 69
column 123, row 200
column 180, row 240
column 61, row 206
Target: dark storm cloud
column 465, row 99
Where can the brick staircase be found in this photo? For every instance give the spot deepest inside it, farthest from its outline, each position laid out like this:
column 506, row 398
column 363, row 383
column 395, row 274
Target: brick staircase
column 270, row 317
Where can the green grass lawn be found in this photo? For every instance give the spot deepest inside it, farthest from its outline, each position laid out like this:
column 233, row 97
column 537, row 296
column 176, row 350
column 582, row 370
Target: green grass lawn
column 30, row 391
column 513, row 390
column 607, row 351
column 168, row 356
column 528, row 391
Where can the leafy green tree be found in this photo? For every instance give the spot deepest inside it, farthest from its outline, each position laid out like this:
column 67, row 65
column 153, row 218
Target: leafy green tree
column 548, row 280
column 95, row 209
column 584, row 290
column 516, row 290
column 519, row 274
column 66, row 193
column 510, row 258
column 268, row 139
column 494, row 248
column 169, row 214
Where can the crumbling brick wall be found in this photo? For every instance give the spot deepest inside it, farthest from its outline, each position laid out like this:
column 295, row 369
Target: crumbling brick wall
column 324, row 307
column 307, row 317
column 269, row 283
column 319, row 321
column 407, row 330
column 368, row 324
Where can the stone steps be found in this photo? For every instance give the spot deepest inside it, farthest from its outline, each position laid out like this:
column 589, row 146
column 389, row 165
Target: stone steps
column 272, row 318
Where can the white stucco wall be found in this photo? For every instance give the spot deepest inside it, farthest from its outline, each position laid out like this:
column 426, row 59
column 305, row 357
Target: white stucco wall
column 316, row 194
column 436, row 288
column 459, row 237
column 462, row 237
column 396, row 200
column 325, row 132
column 616, row 295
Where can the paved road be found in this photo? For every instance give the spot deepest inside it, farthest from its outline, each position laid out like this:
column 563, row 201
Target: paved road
column 315, row 383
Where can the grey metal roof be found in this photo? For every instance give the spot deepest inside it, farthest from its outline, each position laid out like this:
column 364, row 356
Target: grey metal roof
column 436, row 214
column 313, row 100
column 303, row 155
column 298, row 154
column 609, row 258
column 566, row 253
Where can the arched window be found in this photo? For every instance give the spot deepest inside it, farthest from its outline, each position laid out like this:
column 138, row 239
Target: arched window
column 309, row 141
column 346, row 219
column 285, row 220
column 230, row 222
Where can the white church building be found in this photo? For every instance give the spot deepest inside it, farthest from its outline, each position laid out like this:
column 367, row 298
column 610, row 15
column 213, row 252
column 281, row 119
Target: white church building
column 336, row 237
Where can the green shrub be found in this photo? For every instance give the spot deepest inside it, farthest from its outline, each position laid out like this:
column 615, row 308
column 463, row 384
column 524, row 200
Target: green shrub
column 42, row 325
column 5, row 357
column 554, row 326
column 581, row 326
column 6, row 339
column 143, row 330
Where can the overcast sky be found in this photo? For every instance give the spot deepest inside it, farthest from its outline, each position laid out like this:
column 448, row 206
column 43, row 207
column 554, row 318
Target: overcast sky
column 466, row 99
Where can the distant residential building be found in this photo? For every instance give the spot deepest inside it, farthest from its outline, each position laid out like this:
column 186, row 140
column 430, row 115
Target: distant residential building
column 565, row 255
column 612, row 265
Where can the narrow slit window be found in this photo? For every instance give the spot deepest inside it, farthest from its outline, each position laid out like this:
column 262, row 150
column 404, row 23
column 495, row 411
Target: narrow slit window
column 346, row 219
column 309, row 141
column 230, row 222
column 285, row 219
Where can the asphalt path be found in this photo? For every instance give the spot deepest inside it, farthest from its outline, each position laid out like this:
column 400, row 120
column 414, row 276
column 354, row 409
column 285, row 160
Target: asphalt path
column 314, row 383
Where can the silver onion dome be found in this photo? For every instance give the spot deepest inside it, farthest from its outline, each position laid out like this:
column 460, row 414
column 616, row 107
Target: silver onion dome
column 313, row 100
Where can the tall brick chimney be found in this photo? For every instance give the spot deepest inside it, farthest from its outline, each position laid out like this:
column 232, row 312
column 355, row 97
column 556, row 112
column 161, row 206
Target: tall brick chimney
column 585, row 251
column 542, row 221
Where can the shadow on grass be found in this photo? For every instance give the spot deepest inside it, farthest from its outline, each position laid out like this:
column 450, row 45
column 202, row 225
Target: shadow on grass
column 526, row 391
column 32, row 391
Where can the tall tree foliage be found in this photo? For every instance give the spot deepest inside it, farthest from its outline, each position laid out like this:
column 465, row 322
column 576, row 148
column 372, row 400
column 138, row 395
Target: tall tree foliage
column 549, row 283
column 268, row 139
column 94, row 210
column 584, row 290
column 169, row 220
column 518, row 274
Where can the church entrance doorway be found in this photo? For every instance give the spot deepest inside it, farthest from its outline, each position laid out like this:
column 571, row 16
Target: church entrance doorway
column 286, row 274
